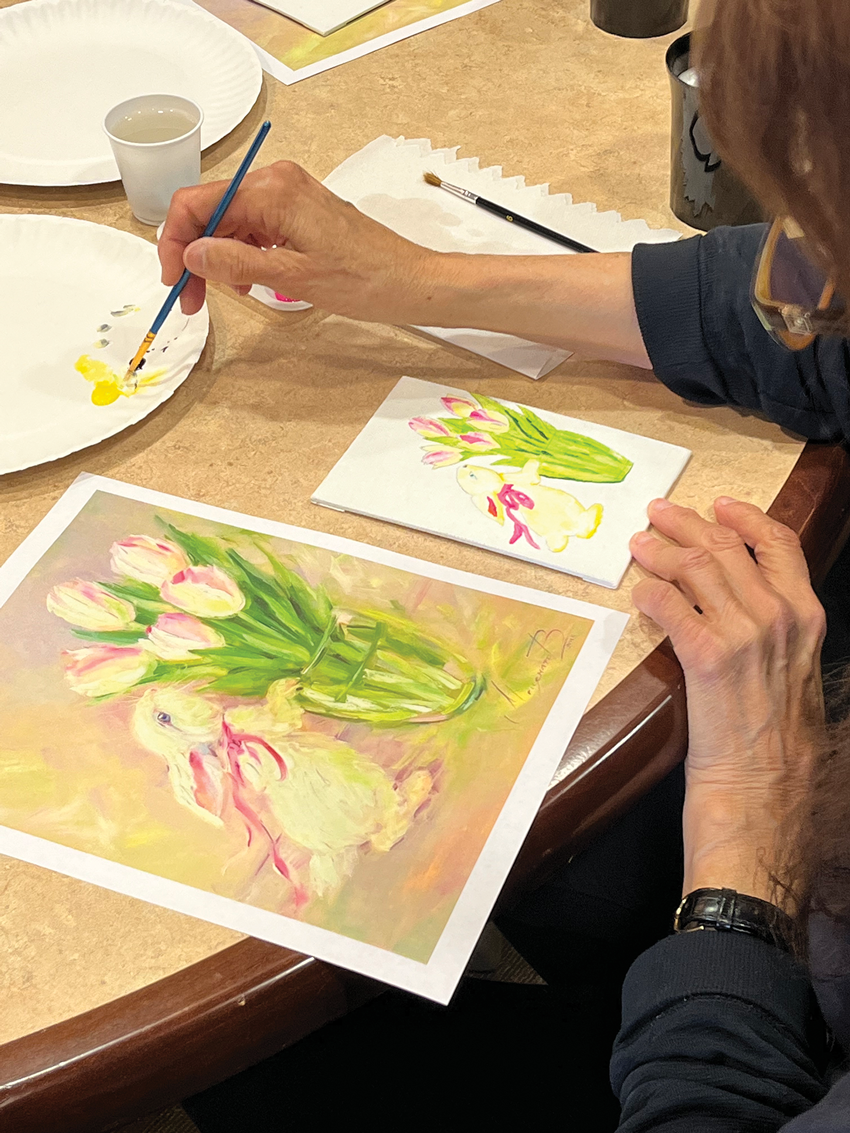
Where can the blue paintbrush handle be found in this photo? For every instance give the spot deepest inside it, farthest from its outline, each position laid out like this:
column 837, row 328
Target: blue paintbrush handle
column 215, row 219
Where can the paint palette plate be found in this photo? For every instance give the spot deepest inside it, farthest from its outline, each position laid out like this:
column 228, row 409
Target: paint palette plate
column 64, row 63
column 70, row 289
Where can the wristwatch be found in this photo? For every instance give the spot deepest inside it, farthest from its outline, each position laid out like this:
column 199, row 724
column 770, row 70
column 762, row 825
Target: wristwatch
column 725, row 910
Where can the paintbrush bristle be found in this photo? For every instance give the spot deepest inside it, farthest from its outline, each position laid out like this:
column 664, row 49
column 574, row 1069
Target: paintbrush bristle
column 432, row 179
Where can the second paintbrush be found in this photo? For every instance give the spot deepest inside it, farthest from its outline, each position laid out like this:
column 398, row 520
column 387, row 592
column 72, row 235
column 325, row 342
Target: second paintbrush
column 506, row 214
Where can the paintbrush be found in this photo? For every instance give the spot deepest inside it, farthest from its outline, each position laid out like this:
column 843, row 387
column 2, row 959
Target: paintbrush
column 213, row 224
column 506, row 214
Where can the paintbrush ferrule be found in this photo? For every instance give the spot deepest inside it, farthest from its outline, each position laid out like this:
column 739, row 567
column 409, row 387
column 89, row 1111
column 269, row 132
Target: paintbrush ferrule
column 139, row 355
column 465, row 194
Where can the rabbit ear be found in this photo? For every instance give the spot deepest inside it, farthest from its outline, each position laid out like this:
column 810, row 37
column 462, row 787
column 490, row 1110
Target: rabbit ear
column 197, row 781
column 490, row 506
column 208, row 778
column 530, row 473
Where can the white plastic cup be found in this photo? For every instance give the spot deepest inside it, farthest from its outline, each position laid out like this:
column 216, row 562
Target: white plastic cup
column 166, row 155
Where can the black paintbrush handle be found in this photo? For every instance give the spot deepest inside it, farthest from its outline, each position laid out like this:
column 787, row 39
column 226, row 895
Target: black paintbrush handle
column 532, row 226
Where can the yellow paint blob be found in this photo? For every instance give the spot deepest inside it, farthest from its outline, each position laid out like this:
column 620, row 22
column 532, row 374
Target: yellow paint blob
column 109, row 386
column 104, row 393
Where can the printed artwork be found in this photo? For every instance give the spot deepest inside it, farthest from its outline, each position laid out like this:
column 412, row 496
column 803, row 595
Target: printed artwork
column 547, row 488
column 299, row 52
column 280, row 732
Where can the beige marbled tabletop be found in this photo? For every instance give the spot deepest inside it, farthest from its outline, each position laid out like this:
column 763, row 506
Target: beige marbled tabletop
column 527, row 84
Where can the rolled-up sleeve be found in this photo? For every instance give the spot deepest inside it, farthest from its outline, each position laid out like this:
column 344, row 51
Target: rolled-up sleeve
column 706, row 343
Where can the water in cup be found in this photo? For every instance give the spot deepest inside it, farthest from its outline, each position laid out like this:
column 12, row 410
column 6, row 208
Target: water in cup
column 160, row 125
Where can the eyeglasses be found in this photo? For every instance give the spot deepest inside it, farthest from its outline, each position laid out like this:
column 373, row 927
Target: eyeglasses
column 792, row 296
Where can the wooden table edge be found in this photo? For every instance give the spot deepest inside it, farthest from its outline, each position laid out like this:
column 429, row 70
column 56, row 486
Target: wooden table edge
column 94, row 1070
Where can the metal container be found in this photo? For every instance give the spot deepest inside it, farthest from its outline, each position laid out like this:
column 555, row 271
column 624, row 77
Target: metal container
column 639, row 19
column 704, row 192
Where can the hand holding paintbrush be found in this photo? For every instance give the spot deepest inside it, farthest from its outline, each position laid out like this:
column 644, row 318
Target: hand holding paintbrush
column 130, row 379
column 289, row 232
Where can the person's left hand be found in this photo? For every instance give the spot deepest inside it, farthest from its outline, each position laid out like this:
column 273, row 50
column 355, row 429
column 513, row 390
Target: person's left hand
column 750, row 651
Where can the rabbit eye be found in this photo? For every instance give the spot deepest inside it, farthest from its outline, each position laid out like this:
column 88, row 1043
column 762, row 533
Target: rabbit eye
column 163, row 718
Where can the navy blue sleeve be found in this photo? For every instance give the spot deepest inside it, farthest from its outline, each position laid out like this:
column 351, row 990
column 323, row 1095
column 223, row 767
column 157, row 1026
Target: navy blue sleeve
column 706, row 343
column 720, row 1034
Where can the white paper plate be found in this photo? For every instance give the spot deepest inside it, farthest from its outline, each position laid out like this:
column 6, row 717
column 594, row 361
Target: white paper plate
column 60, row 280
column 64, row 63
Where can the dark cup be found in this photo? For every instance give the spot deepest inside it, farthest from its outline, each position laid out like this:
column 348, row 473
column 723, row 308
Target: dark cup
column 639, row 19
column 703, row 191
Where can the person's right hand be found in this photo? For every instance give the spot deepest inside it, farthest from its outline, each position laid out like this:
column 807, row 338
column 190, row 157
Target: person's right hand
column 327, row 252
column 747, row 629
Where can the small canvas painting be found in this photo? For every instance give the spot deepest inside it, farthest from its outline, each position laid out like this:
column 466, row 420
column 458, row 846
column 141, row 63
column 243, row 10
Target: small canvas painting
column 324, row 745
column 543, row 487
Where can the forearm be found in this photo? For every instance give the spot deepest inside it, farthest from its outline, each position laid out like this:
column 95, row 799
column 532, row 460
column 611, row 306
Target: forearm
column 582, row 303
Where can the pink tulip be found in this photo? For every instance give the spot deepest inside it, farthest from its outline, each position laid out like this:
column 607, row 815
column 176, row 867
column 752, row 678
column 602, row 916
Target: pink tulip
column 104, row 670
column 460, row 406
column 429, row 427
column 490, row 422
column 147, row 559
column 441, row 457
column 205, row 591
column 177, row 637
column 478, row 442
column 89, row 606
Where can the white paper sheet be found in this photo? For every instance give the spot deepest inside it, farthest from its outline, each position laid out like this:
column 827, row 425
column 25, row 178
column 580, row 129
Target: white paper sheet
column 385, row 180
column 383, row 475
column 52, row 835
column 322, row 16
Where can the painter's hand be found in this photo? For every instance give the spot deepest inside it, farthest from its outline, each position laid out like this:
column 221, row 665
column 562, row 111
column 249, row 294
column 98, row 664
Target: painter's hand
column 327, row 252
column 751, row 659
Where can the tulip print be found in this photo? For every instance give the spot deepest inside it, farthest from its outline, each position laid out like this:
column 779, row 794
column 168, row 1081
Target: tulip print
column 178, row 637
column 146, row 559
column 478, row 442
column 254, row 628
column 88, row 606
column 205, row 591
column 489, row 421
column 429, row 427
column 105, row 670
column 441, row 457
column 460, row 406
column 514, row 436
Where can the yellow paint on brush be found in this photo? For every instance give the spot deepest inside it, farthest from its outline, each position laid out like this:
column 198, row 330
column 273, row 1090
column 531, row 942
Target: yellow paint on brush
column 108, row 385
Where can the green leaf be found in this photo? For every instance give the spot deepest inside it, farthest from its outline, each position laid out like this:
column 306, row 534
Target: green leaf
column 112, row 637
column 367, row 657
column 313, row 604
column 544, row 430
column 200, row 550
column 133, row 591
column 243, row 682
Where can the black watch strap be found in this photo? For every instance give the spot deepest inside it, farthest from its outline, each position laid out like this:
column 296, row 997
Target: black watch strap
column 725, row 910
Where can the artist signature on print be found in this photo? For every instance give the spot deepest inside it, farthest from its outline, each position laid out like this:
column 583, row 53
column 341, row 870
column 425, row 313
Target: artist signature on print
column 553, row 644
